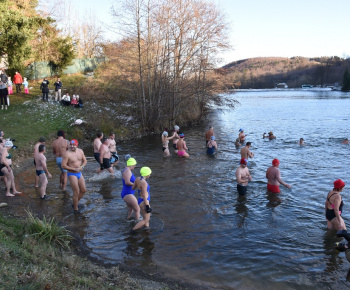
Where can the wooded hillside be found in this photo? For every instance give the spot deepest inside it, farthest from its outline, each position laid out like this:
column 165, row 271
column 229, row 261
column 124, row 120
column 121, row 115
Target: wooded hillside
column 266, row 72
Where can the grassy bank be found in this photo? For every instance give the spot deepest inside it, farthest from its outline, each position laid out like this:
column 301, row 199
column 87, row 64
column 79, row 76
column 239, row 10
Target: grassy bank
column 34, row 255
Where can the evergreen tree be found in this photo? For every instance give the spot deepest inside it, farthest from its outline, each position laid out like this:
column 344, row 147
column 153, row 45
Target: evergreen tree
column 346, row 81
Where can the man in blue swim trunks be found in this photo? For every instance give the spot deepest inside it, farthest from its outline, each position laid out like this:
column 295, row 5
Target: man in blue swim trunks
column 74, row 161
column 41, row 170
column 59, row 147
column 35, row 152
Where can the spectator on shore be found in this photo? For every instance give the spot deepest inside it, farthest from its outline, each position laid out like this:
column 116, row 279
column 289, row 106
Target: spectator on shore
column 9, row 86
column 17, row 80
column 25, row 85
column 58, row 89
column 66, row 99
column 74, row 101
column 44, row 87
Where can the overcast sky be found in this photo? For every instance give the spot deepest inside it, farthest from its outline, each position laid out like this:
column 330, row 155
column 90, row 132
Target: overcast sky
column 307, row 28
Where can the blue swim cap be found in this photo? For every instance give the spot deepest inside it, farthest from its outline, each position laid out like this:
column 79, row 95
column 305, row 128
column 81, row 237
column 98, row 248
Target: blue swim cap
column 212, row 137
column 240, row 130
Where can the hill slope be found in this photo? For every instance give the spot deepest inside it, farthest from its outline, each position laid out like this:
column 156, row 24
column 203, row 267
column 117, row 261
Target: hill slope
column 265, row 72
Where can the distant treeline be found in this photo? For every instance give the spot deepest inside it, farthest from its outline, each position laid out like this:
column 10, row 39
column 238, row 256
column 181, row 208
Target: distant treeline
column 266, row 72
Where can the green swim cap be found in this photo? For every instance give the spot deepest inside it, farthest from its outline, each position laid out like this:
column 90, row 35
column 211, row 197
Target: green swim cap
column 145, row 171
column 131, row 161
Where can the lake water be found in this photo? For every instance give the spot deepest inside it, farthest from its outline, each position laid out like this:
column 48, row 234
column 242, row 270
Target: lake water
column 201, row 231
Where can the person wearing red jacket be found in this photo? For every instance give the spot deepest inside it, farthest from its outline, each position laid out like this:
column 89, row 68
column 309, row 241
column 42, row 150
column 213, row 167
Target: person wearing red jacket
column 17, row 80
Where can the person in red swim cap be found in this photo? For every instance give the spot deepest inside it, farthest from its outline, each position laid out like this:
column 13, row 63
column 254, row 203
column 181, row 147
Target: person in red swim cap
column 274, row 179
column 334, row 206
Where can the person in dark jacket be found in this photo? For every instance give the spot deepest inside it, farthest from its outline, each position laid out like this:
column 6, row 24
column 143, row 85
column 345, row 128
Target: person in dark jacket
column 58, row 89
column 44, row 87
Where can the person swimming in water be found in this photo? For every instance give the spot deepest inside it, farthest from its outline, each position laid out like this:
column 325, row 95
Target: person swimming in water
column 181, row 147
column 270, row 136
column 127, row 193
column 334, row 207
column 274, row 179
column 165, row 143
column 211, row 145
column 243, row 177
column 143, row 201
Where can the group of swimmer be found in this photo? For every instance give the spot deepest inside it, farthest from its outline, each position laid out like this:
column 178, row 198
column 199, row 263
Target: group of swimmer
column 71, row 161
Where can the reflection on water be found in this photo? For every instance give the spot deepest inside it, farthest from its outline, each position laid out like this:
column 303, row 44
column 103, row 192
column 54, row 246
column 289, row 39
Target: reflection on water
column 201, row 230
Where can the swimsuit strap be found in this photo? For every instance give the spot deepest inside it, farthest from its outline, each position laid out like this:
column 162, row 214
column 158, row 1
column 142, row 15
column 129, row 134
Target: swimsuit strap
column 331, row 196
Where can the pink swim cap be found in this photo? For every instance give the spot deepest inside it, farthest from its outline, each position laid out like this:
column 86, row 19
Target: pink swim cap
column 275, row 162
column 339, row 184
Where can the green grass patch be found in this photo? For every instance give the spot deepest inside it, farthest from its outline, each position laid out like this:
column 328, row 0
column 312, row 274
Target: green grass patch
column 30, row 261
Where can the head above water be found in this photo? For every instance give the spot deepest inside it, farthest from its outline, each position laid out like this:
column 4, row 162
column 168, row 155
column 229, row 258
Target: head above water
column 240, row 130
column 131, row 161
column 339, row 184
column 270, row 133
column 248, row 144
column 275, row 162
column 145, row 171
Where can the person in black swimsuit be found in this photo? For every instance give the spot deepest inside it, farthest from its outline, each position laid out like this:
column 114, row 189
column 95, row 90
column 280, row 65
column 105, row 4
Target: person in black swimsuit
column 334, row 206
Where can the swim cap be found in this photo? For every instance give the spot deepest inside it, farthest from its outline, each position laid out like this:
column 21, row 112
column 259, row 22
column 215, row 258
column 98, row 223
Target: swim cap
column 8, row 143
column 127, row 157
column 165, row 133
column 145, row 171
column 240, row 130
column 243, row 161
column 212, row 137
column 275, row 162
column 176, row 127
column 270, row 133
column 338, row 184
column 131, row 161
column 42, row 139
column 182, row 135
column 74, row 141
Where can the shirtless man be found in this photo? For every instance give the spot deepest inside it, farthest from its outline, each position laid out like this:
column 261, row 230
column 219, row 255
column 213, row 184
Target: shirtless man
column 273, row 176
column 41, row 169
column 2, row 175
column 270, row 136
column 59, row 147
column 181, row 147
column 5, row 167
column 243, row 177
column 105, row 156
column 175, row 137
column 74, row 161
column 113, row 149
column 301, row 142
column 245, row 152
column 97, row 145
column 346, row 141
column 208, row 134
column 36, row 151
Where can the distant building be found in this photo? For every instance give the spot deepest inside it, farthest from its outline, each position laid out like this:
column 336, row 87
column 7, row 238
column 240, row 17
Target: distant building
column 281, row 86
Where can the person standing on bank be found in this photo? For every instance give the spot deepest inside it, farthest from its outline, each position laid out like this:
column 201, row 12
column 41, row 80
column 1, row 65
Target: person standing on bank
column 44, row 87
column 274, row 179
column 243, row 177
column 334, row 207
column 58, row 89
column 17, row 80
column 144, row 197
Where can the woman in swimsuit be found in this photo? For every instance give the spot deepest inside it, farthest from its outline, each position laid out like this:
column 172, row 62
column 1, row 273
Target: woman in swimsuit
column 241, row 136
column 5, row 167
column 127, row 193
column 165, row 143
column 334, row 206
column 144, row 197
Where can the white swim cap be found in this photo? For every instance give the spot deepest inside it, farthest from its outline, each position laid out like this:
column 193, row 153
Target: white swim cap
column 176, row 127
column 165, row 133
